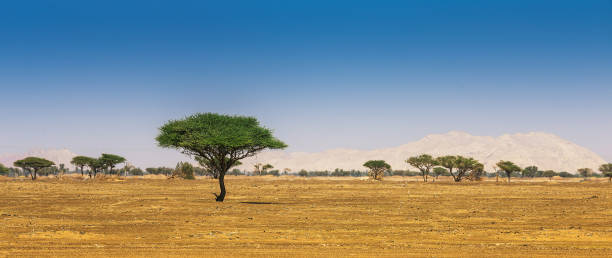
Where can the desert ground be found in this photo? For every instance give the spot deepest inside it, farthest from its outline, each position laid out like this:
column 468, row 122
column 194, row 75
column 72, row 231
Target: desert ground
column 315, row 217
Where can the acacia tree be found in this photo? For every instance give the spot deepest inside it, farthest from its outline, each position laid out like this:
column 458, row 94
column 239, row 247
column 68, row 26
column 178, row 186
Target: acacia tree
column 265, row 168
column 466, row 165
column 449, row 162
column 606, row 170
column 95, row 165
column 476, row 172
column 509, row 167
column 80, row 162
column 34, row 164
column 424, row 163
column 377, row 168
column 221, row 140
column 110, row 161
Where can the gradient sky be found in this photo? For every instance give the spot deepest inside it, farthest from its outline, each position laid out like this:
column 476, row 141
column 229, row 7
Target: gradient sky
column 102, row 76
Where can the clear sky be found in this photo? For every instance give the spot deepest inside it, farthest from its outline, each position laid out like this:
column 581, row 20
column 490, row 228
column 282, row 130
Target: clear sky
column 102, row 76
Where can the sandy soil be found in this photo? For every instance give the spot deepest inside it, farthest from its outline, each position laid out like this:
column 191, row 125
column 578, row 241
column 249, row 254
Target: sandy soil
column 289, row 217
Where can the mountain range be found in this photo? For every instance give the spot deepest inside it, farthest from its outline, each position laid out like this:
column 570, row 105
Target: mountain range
column 547, row 151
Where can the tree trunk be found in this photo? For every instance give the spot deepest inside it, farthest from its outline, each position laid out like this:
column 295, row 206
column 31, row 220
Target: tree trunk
column 221, row 195
column 508, row 174
column 82, row 171
column 450, row 170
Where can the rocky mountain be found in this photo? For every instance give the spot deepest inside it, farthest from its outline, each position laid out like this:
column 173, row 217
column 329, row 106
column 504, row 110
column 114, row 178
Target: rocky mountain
column 59, row 156
column 547, row 151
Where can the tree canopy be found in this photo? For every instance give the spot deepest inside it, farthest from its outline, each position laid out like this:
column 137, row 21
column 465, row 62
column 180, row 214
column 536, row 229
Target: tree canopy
column 34, row 164
column 219, row 140
column 377, row 168
column 606, row 170
column 509, row 167
column 111, row 160
column 80, row 161
column 466, row 165
column 424, row 163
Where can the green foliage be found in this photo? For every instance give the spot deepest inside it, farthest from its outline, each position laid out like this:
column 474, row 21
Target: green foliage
column 303, row 173
column 111, row 160
column 549, row 173
column 236, row 172
column 565, row 174
column 440, row 171
column 509, row 167
column 530, row 171
column 184, row 170
column 606, row 170
column 218, row 140
column 160, row 170
column 464, row 166
column 34, row 164
column 233, row 137
column 3, row 170
column 377, row 168
column 95, row 166
column 136, row 172
column 424, row 163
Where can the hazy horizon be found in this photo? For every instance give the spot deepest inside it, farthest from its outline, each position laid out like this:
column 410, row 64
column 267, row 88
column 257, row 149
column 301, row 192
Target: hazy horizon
column 102, row 77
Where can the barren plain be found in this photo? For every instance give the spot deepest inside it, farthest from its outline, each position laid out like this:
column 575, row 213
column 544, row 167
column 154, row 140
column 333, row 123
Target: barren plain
column 315, row 217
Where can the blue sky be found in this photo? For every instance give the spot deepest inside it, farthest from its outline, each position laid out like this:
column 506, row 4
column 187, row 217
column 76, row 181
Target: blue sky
column 102, row 76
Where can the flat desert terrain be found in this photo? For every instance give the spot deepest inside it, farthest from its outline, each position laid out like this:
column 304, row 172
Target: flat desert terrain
column 315, row 217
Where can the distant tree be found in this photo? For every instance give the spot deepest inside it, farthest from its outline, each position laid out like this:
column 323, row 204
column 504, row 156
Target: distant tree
column 530, row 171
column 152, row 171
column 15, row 171
column 3, row 170
column 585, row 172
column 549, row 173
column 34, row 164
column 476, row 171
column 95, row 166
column 303, row 173
column 286, row 171
column 377, row 168
column 509, row 167
column 464, row 166
column 439, row 171
column 606, row 170
column 235, row 172
column 110, row 161
column 424, row 163
column 136, row 172
column 266, row 167
column 565, row 174
column 220, row 139
column 183, row 170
